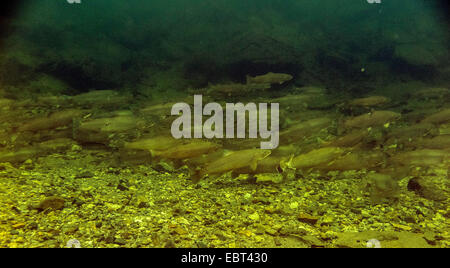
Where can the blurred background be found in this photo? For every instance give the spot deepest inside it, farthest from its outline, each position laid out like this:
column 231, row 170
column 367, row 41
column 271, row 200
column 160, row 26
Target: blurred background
column 154, row 46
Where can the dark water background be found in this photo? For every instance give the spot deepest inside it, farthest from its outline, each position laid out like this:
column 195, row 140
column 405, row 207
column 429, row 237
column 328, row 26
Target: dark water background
column 138, row 46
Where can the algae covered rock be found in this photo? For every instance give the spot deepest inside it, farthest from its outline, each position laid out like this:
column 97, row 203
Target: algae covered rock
column 382, row 239
column 429, row 187
column 53, row 203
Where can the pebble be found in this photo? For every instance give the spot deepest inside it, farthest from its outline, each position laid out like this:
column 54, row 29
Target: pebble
column 293, row 205
column 306, row 218
column 254, row 216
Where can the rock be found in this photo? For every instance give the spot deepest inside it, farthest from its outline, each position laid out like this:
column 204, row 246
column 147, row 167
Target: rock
column 386, row 239
column 143, row 205
column 164, row 167
column 84, row 174
column 254, row 216
column 429, row 187
column 19, row 225
column 272, row 178
column 120, row 241
column 53, row 203
column 70, row 229
column 306, row 218
column 312, row 241
column 293, row 205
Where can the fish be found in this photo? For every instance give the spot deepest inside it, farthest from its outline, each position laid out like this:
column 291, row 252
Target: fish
column 317, row 158
column 233, row 161
column 377, row 118
column 349, row 140
column 159, row 143
column 236, row 89
column 271, row 164
column 438, row 118
column 55, row 120
column 185, row 151
column 269, row 78
column 370, row 101
column 299, row 130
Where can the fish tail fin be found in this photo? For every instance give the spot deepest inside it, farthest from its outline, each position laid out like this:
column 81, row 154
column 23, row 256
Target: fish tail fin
column 286, row 163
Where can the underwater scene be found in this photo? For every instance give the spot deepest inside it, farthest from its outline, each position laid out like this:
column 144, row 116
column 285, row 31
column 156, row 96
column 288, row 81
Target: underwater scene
column 225, row 124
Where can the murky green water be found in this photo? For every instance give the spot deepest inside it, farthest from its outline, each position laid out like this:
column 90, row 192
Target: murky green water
column 87, row 147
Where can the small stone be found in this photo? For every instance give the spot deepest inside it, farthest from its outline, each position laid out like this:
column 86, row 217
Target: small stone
column 180, row 231
column 201, row 244
column 269, row 210
column 430, row 237
column 365, row 214
column 84, row 174
column 70, row 229
column 327, row 220
column 143, row 205
column 33, row 226
column 164, row 167
column 306, row 218
column 53, row 202
column 402, row 227
column 120, row 241
column 293, row 205
column 254, row 216
column 271, row 231
column 121, row 187
column 170, row 244
column 277, row 241
column 18, row 225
